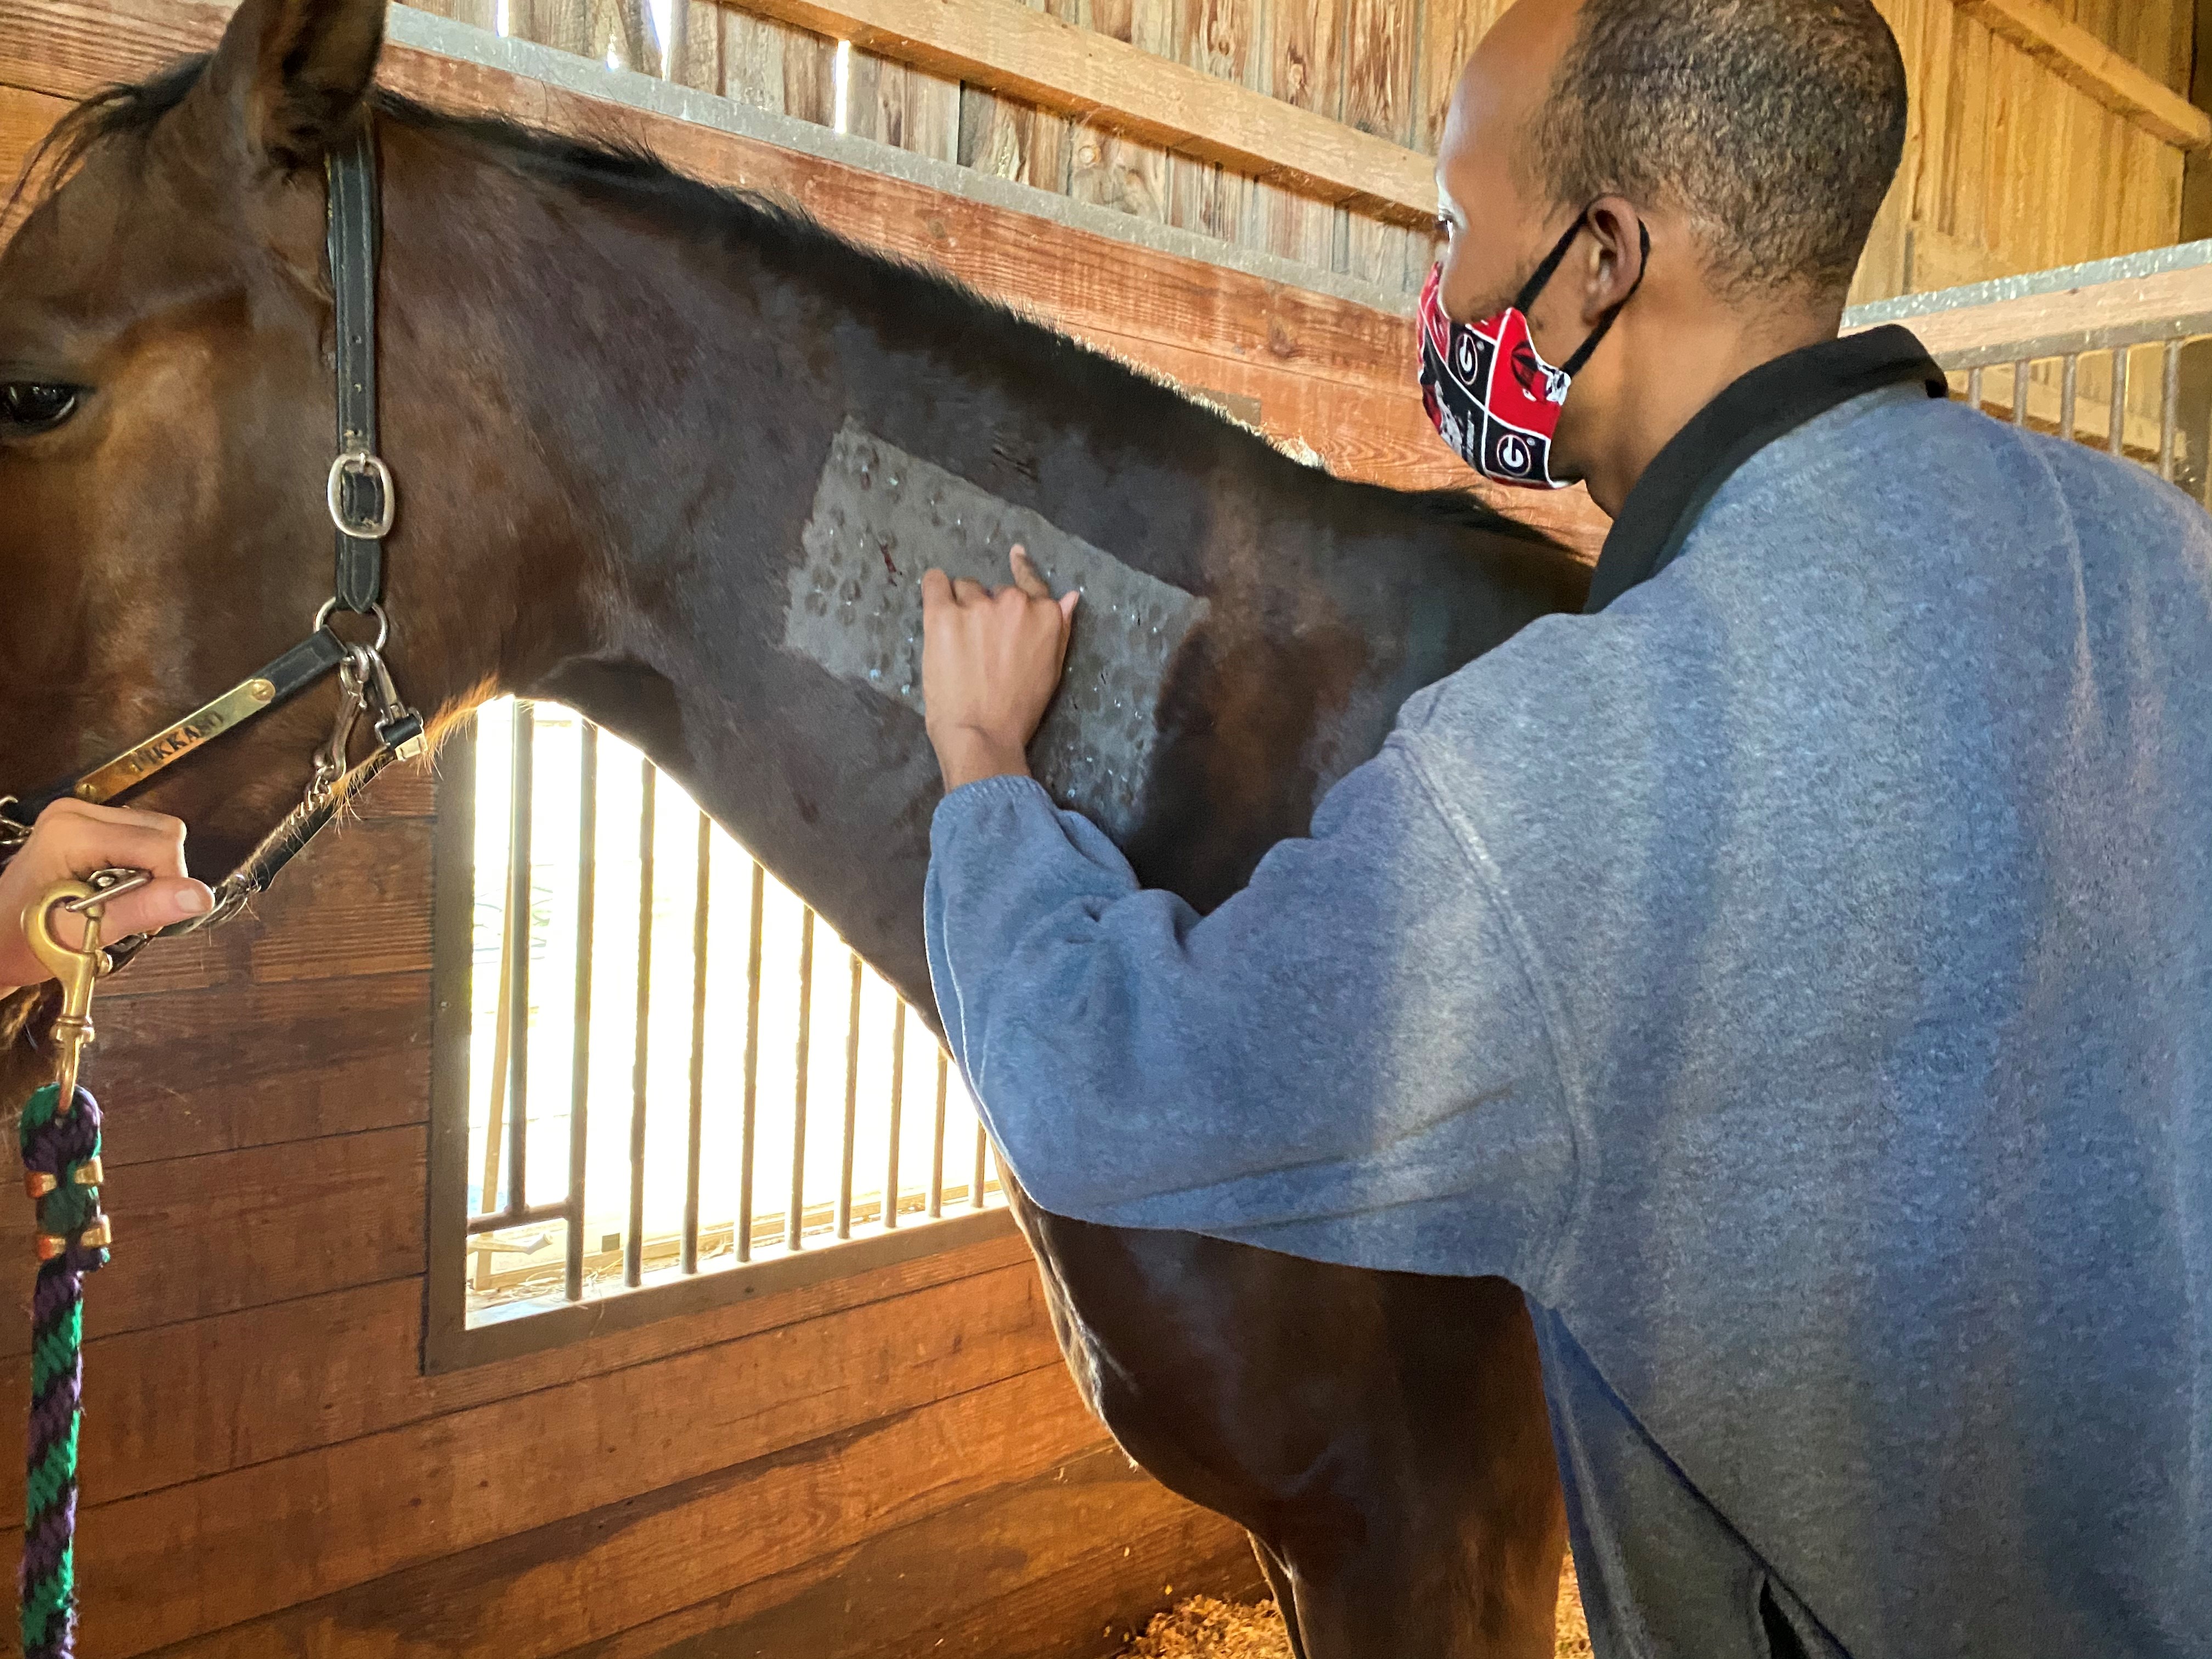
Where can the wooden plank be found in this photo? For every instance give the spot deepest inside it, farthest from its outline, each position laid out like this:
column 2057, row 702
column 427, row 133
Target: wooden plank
column 72, row 48
column 1884, row 269
column 1011, row 139
column 214, row 1069
column 622, row 37
column 406, row 791
column 1379, row 99
column 1932, row 82
column 563, row 24
column 1449, row 32
column 1302, row 64
column 1111, row 166
column 1005, row 47
column 357, row 903
column 633, row 1458
column 772, row 66
column 24, row 119
column 1070, row 1562
column 903, row 107
column 181, row 1403
column 1218, row 38
column 2081, row 60
column 702, row 64
column 201, row 1235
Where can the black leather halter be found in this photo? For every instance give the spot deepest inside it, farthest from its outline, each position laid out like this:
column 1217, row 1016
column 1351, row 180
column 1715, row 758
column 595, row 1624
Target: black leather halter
column 362, row 503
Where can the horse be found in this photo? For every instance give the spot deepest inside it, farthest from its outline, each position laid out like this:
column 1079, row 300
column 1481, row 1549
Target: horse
column 609, row 392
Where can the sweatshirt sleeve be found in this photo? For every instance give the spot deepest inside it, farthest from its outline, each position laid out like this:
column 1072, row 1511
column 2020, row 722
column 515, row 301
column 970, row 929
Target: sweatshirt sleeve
column 1345, row 1060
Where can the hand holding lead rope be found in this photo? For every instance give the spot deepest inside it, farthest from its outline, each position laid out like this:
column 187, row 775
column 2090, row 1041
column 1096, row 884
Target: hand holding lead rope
column 60, row 1134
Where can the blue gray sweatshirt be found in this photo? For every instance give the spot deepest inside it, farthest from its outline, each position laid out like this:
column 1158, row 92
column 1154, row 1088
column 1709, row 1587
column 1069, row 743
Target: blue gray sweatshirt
column 1797, row 977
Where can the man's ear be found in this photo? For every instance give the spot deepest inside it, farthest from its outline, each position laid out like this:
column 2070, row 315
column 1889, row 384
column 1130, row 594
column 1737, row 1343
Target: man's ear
column 1618, row 245
column 291, row 76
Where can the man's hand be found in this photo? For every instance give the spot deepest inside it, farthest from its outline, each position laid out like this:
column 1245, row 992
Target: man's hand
column 990, row 662
column 70, row 841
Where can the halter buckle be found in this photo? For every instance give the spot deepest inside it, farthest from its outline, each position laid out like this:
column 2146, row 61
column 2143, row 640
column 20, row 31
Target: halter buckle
column 360, row 464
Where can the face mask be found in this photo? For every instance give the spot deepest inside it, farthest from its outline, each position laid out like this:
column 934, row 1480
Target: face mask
column 1487, row 390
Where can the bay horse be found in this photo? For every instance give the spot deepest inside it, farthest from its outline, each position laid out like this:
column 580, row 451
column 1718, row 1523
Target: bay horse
column 608, row 393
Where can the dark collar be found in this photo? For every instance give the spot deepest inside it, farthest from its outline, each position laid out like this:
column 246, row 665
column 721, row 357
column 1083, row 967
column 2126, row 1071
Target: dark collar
column 1774, row 399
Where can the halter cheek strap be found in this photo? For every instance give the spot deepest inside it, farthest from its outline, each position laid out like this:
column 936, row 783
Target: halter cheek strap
column 361, row 496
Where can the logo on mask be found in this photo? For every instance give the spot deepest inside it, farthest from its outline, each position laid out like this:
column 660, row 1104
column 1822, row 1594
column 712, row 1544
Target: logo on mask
column 1540, row 381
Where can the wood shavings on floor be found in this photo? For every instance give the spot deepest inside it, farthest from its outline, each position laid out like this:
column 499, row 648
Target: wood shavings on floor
column 1204, row 1628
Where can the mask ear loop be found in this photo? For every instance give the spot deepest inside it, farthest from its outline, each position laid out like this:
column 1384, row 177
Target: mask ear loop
column 1541, row 278
column 1573, row 366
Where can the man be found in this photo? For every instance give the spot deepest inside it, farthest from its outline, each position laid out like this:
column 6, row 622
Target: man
column 1793, row 973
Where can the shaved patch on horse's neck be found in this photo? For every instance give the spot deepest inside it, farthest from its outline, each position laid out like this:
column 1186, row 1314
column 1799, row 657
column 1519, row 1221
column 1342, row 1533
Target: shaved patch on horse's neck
column 882, row 517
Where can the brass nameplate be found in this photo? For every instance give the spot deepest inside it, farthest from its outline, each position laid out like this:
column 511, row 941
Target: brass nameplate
column 240, row 703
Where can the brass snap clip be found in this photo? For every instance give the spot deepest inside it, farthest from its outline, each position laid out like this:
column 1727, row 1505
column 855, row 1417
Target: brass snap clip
column 78, row 968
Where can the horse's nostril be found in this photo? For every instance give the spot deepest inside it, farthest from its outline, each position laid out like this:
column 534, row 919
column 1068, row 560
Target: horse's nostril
column 34, row 405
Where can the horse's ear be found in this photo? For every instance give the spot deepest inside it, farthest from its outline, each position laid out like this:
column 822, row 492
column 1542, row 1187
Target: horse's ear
column 293, row 74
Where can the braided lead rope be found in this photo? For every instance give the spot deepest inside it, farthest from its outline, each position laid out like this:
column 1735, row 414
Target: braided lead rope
column 61, row 1165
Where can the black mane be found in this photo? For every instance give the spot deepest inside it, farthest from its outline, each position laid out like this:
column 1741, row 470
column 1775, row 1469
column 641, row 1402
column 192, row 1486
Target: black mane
column 633, row 178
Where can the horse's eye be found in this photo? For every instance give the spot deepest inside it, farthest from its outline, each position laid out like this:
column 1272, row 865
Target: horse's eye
column 34, row 405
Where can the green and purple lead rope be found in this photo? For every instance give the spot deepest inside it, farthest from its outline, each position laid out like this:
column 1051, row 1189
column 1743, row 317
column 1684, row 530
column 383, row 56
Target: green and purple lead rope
column 63, row 1148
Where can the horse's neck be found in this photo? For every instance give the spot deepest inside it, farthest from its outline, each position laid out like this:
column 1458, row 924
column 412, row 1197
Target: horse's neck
column 659, row 421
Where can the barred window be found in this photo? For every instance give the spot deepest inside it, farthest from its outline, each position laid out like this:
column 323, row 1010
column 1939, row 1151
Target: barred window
column 662, row 1079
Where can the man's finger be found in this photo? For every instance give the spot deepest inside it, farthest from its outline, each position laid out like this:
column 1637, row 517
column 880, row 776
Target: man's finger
column 1068, row 603
column 155, row 905
column 936, row 590
column 968, row 591
column 1026, row 573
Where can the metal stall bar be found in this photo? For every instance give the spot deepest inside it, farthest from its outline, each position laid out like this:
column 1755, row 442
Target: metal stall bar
column 516, row 998
column 489, row 1202
column 794, row 1215
column 975, row 1179
column 2169, row 411
column 936, row 1145
column 1974, row 388
column 2069, row 393
column 579, row 1064
column 700, row 899
column 749, row 1117
column 634, row 1231
column 852, row 1102
column 898, row 1090
column 2020, row 392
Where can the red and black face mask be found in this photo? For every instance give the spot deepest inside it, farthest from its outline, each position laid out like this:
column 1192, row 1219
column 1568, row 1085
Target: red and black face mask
column 1487, row 389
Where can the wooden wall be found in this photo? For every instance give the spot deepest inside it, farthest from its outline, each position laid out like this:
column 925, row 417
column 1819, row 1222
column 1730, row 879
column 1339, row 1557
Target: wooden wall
column 893, row 1464
column 2009, row 167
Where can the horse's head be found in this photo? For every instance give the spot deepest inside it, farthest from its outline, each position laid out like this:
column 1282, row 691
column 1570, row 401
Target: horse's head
column 166, row 425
